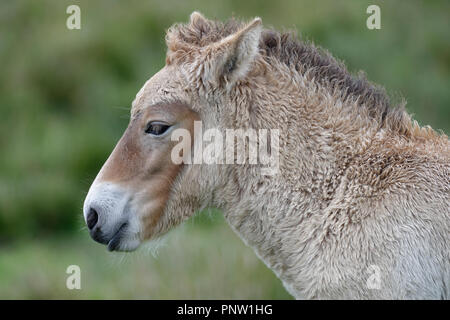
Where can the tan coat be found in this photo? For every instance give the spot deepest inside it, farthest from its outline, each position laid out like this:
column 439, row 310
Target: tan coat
column 362, row 192
column 360, row 206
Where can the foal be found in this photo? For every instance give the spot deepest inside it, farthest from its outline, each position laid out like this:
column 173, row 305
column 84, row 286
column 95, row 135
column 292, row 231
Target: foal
column 358, row 206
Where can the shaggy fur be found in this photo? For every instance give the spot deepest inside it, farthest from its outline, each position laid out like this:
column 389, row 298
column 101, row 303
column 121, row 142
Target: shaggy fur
column 361, row 187
column 296, row 55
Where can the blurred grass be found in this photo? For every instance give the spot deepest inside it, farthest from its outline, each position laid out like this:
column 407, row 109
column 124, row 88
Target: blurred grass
column 212, row 264
column 64, row 102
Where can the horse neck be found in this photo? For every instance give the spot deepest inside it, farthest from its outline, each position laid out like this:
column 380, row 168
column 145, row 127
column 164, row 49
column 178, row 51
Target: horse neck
column 314, row 145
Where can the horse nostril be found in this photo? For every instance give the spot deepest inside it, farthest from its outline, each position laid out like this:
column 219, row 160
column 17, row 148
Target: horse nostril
column 92, row 218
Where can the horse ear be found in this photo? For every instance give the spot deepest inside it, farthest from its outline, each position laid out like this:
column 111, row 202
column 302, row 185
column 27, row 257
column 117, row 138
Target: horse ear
column 233, row 55
column 196, row 18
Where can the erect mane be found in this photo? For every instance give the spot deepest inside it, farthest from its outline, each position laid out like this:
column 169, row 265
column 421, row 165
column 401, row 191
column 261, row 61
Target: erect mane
column 300, row 55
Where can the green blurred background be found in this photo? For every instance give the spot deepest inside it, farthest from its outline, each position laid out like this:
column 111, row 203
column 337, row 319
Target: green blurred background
column 64, row 102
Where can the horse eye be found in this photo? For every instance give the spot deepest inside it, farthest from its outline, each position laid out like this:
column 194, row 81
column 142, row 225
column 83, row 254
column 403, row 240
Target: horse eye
column 156, row 128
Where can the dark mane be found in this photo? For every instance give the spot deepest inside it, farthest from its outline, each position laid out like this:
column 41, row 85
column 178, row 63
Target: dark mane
column 303, row 57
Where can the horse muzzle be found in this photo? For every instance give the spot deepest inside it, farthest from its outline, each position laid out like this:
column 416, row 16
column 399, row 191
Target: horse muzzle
column 108, row 217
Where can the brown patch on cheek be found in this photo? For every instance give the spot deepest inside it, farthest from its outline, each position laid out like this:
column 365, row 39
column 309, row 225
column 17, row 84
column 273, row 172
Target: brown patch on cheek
column 158, row 191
